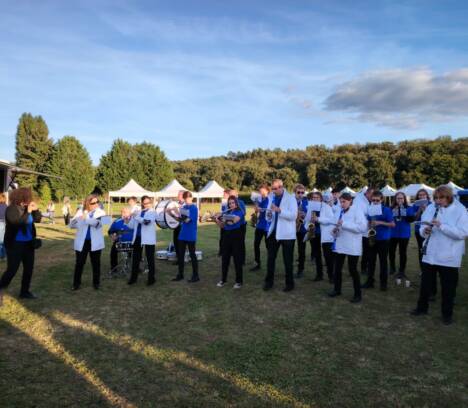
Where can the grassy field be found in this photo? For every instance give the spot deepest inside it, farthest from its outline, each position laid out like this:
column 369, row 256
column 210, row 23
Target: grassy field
column 196, row 345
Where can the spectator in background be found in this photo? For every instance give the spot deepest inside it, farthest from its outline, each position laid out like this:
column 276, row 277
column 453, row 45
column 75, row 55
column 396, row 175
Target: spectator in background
column 3, row 208
column 66, row 210
column 51, row 211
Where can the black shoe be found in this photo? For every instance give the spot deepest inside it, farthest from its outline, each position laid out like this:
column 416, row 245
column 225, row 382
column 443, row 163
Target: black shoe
column 151, row 282
column 95, row 286
column 193, row 279
column 131, row 282
column 299, row 274
column 267, row 287
column 418, row 312
column 27, row 295
column 356, row 299
column 447, row 320
column 367, row 285
column 178, row 278
column 288, row 288
column 255, row 268
column 318, row 279
column 333, row 293
column 74, row 288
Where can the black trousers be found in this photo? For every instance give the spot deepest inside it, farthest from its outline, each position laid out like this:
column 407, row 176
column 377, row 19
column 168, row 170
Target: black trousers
column 380, row 249
column 448, row 286
column 288, row 258
column 232, row 246
column 316, row 254
column 81, row 261
column 243, row 230
column 182, row 246
column 259, row 235
column 136, row 258
column 352, row 266
column 420, row 240
column 175, row 240
column 365, row 255
column 66, row 219
column 220, row 246
column 301, row 250
column 402, row 245
column 19, row 253
column 113, row 256
column 329, row 256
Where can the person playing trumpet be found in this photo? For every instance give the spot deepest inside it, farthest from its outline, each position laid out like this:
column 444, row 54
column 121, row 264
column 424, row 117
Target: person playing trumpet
column 262, row 224
column 301, row 200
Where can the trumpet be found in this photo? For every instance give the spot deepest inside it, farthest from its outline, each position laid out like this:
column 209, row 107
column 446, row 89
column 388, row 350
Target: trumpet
column 310, row 234
column 254, row 219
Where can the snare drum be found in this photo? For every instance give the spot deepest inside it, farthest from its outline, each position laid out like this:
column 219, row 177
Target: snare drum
column 125, row 246
column 163, row 218
column 161, row 254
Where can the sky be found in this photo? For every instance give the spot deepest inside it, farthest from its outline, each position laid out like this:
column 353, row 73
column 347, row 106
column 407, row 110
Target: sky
column 202, row 78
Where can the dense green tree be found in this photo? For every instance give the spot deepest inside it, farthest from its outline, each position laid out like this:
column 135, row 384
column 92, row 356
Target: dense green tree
column 45, row 193
column 70, row 160
column 33, row 148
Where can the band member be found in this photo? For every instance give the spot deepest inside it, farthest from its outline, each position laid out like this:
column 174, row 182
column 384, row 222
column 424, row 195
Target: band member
column 326, row 218
column 132, row 203
column 176, row 231
column 282, row 232
column 224, row 208
column 19, row 240
column 350, row 225
column 381, row 226
column 144, row 234
column 261, row 228
column 362, row 200
column 242, row 206
column 119, row 232
column 301, row 202
column 88, row 239
column 403, row 216
column 188, row 236
column 444, row 229
column 232, row 241
column 336, row 206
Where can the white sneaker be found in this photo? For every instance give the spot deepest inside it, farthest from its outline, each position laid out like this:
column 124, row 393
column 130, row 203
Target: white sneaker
column 220, row 284
column 237, row 286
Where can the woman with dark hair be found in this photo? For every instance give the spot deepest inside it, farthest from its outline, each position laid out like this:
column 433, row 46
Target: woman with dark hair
column 403, row 216
column 89, row 239
column 231, row 222
column 444, row 227
column 20, row 239
column 187, row 237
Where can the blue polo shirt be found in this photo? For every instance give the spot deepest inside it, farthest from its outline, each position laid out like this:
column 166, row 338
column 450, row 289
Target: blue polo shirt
column 27, row 236
column 120, row 226
column 138, row 233
column 277, row 202
column 262, row 223
column 403, row 227
column 415, row 209
column 243, row 208
column 383, row 232
column 236, row 225
column 188, row 231
column 302, row 206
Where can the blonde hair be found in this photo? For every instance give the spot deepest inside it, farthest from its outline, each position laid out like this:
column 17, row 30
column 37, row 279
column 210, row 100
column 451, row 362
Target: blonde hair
column 444, row 191
column 88, row 200
column 2, row 198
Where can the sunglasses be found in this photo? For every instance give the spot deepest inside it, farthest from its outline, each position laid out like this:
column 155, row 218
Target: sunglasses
column 274, row 188
column 376, row 201
column 439, row 197
column 300, row 192
column 94, row 203
column 146, row 202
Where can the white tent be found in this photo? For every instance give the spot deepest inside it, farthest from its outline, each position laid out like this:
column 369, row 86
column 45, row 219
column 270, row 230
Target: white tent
column 131, row 189
column 328, row 190
column 211, row 190
column 388, row 191
column 453, row 186
column 411, row 189
column 348, row 190
column 363, row 190
column 171, row 190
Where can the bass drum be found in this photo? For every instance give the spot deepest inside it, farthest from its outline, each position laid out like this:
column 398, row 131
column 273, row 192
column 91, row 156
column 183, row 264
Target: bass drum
column 163, row 219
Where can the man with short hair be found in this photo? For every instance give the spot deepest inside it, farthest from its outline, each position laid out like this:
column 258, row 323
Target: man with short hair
column 176, row 231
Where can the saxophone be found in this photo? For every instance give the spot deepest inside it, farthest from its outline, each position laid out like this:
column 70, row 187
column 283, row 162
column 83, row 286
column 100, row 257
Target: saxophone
column 310, row 234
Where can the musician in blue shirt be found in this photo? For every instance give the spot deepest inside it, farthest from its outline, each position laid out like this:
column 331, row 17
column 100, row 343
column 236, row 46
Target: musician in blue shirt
column 403, row 216
column 379, row 244
column 232, row 241
column 188, row 237
column 262, row 225
column 119, row 231
column 241, row 203
column 223, row 209
column 299, row 191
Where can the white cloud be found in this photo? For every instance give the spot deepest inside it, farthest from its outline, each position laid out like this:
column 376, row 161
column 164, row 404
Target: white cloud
column 403, row 98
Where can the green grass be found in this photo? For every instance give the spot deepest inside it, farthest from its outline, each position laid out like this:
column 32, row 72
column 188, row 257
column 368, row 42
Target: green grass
column 181, row 345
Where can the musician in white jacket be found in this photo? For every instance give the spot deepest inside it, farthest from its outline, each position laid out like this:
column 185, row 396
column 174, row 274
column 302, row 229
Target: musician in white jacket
column 282, row 232
column 89, row 239
column 350, row 223
column 363, row 200
column 144, row 234
column 444, row 225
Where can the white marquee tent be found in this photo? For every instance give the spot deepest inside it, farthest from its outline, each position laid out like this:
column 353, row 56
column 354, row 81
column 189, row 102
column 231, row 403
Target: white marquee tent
column 211, row 190
column 348, row 190
column 171, row 190
column 131, row 189
column 388, row 191
column 411, row 189
column 454, row 187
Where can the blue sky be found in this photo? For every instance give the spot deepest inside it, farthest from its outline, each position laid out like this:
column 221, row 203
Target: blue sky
column 207, row 77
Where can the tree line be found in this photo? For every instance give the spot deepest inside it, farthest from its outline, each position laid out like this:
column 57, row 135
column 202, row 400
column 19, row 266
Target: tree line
column 432, row 162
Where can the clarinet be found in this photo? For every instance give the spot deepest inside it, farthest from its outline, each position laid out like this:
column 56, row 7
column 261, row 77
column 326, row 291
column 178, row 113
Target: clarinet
column 426, row 242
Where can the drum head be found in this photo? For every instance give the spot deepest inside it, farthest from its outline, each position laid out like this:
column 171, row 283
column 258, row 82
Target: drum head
column 163, row 219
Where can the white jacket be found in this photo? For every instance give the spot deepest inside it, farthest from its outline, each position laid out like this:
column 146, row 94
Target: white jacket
column 81, row 225
column 286, row 228
column 361, row 202
column 349, row 240
column 326, row 220
column 446, row 245
column 148, row 232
